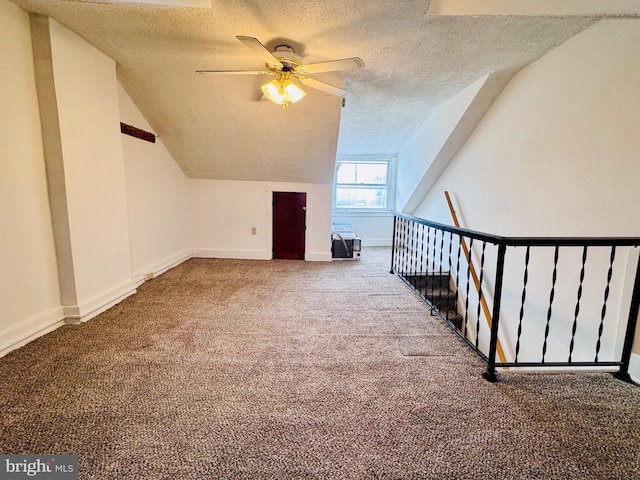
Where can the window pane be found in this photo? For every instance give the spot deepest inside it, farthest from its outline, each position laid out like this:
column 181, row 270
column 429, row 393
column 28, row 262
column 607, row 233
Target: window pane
column 347, row 173
column 371, row 173
column 361, row 197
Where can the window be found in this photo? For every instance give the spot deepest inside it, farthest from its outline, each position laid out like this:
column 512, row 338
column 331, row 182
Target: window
column 362, row 185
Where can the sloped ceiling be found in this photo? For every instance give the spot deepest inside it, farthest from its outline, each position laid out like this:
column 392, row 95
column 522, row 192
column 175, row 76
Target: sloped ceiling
column 216, row 126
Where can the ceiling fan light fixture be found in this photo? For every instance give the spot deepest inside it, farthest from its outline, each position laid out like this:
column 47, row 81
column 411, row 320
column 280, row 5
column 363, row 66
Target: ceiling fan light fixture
column 283, row 91
column 292, row 91
column 288, row 69
column 273, row 91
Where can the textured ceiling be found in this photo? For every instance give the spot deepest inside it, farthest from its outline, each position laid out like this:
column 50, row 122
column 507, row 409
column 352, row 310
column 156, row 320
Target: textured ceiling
column 217, row 127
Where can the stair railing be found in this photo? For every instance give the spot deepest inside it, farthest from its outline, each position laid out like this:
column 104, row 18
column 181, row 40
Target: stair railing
column 474, row 275
column 550, row 299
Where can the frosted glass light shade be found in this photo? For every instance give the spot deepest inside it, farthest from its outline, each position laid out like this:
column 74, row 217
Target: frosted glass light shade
column 292, row 92
column 282, row 92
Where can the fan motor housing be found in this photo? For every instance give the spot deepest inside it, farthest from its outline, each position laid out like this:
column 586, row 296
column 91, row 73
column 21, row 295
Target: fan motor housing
column 290, row 60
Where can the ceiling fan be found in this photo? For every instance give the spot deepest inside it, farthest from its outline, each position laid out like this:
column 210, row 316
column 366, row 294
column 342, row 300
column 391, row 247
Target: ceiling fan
column 289, row 70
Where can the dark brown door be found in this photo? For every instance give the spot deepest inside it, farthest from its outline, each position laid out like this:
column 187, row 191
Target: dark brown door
column 289, row 224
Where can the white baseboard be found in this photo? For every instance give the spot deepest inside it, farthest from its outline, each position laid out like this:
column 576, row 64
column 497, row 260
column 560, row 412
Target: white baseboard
column 24, row 332
column 98, row 304
column 239, row 254
column 159, row 268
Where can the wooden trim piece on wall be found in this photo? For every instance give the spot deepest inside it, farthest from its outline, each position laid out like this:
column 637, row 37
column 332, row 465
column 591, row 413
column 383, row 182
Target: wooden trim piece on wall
column 137, row 132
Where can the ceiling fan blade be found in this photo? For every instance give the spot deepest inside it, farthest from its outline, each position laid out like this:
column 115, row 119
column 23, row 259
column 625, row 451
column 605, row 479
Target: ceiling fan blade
column 236, row 72
column 333, row 65
column 259, row 49
column 325, row 87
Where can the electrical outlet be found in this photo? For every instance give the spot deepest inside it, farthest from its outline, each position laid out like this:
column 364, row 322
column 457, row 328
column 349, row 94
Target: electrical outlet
column 253, row 230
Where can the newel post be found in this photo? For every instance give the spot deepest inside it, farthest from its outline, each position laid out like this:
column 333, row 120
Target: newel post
column 623, row 373
column 490, row 374
column 393, row 243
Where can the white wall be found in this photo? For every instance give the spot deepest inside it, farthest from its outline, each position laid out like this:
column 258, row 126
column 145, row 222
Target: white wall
column 375, row 230
column 428, row 152
column 157, row 199
column 223, row 213
column 557, row 154
column 29, row 290
column 89, row 127
column 563, row 131
column 423, row 148
column 106, row 218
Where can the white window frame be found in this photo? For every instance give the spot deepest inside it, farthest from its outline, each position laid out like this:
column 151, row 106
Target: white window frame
column 390, row 160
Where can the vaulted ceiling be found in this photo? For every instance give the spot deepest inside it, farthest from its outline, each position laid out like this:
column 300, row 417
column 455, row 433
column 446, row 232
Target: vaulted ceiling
column 218, row 127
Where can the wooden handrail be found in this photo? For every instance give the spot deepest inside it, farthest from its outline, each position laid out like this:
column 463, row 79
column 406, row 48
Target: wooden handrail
column 474, row 275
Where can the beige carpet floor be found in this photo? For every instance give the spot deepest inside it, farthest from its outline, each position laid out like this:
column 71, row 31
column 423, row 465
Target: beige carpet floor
column 289, row 369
